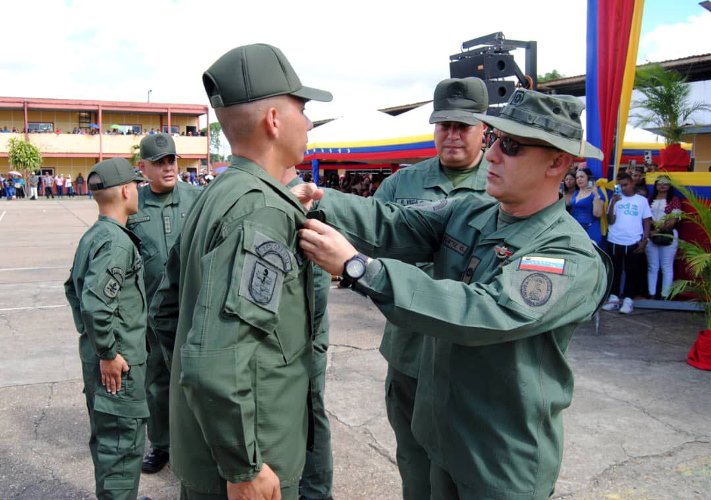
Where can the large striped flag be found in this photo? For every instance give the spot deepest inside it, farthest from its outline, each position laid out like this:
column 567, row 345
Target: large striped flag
column 611, row 56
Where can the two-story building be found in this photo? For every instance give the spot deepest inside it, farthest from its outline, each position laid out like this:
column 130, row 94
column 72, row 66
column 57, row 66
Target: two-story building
column 73, row 135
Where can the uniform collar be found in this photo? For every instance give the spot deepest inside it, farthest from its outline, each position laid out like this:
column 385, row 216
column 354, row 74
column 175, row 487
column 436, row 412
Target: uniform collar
column 136, row 240
column 475, row 182
column 151, row 198
column 522, row 232
column 247, row 165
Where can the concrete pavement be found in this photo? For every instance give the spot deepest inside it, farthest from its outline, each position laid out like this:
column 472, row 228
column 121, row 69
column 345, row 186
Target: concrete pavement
column 639, row 426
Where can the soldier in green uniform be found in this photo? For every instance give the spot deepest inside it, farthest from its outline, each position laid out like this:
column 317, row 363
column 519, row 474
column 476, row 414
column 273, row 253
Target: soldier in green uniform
column 106, row 292
column 242, row 340
column 511, row 282
column 317, row 479
column 163, row 206
column 458, row 168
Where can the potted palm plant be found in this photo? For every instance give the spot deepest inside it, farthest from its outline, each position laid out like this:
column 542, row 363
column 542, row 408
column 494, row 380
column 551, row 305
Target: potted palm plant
column 697, row 257
column 666, row 108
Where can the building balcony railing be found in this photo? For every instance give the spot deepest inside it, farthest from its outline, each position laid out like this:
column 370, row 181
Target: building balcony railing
column 77, row 144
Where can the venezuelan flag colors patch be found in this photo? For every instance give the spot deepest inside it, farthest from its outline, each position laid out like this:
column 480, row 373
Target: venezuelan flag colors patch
column 543, row 264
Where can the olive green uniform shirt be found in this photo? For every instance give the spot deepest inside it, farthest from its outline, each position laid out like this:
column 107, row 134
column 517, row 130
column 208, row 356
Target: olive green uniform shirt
column 422, row 182
column 106, row 293
column 158, row 223
column 242, row 347
column 498, row 317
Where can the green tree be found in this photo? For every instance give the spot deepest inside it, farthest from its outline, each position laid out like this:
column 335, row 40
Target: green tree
column 215, row 142
column 135, row 154
column 24, row 155
column 551, row 75
column 666, row 104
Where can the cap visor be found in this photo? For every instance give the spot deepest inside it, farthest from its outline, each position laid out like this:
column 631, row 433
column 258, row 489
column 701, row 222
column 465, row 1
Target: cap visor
column 161, row 155
column 311, row 94
column 453, row 115
column 520, row 130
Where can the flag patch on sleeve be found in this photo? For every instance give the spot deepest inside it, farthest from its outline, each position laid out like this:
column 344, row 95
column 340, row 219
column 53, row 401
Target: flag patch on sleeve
column 543, row 264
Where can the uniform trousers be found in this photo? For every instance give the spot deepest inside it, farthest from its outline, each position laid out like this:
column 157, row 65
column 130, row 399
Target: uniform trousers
column 412, row 459
column 118, row 434
column 157, row 395
column 317, row 478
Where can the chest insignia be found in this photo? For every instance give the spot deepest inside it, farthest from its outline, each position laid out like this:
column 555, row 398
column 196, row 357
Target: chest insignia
column 536, row 289
column 502, row 252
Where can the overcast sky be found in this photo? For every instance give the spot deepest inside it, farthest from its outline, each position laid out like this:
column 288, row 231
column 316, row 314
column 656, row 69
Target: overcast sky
column 369, row 54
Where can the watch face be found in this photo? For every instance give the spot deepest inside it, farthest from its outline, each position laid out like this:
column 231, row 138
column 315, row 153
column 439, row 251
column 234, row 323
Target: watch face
column 355, row 268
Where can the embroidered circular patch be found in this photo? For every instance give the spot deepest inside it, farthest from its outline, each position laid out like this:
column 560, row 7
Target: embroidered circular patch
column 536, row 289
column 161, row 141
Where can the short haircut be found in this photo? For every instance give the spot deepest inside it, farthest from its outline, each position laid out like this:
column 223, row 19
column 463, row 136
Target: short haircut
column 624, row 176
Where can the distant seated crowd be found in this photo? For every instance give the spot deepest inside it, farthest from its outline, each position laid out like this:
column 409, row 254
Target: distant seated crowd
column 353, row 183
column 94, row 130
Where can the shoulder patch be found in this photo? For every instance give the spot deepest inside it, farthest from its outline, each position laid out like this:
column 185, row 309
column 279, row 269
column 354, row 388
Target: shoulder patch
column 112, row 288
column 275, row 253
column 118, row 274
column 261, row 283
column 536, row 289
column 543, row 264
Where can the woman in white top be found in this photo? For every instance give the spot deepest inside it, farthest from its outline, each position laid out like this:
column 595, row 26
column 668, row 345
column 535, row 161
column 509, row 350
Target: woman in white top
column 664, row 239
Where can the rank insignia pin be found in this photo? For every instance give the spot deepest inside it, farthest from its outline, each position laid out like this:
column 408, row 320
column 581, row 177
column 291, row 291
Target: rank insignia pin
column 502, row 252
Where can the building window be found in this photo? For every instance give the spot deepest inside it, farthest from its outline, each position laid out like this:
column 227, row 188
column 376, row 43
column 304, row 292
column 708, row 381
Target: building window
column 40, row 127
column 173, row 129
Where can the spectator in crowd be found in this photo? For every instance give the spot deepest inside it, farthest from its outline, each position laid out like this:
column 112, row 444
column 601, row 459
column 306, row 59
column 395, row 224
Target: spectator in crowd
column 107, row 299
column 80, row 184
column 638, row 179
column 663, row 237
column 34, row 181
column 9, row 184
column 20, row 187
column 47, row 182
column 630, row 218
column 587, row 204
column 239, row 394
column 567, row 188
column 59, row 184
column 68, row 186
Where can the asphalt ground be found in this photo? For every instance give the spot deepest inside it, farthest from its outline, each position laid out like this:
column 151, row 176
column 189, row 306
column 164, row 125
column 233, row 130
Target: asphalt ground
column 639, row 426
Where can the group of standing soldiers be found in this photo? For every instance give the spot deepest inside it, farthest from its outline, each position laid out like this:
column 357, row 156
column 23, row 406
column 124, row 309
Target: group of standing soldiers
column 201, row 311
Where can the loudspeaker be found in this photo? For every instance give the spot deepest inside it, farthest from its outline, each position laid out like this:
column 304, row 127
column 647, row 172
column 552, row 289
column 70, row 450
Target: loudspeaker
column 500, row 91
column 484, row 66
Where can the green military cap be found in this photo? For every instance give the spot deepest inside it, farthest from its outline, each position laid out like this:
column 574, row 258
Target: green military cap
column 113, row 172
column 253, row 72
column 554, row 119
column 156, row 146
column 457, row 99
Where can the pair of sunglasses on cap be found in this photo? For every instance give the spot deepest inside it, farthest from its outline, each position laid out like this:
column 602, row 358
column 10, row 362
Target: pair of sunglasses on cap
column 510, row 146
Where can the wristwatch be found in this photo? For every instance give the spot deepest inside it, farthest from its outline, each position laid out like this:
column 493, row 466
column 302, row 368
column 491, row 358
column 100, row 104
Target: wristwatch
column 354, row 269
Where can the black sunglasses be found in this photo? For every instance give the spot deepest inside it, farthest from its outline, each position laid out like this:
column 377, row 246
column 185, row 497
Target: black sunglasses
column 510, row 146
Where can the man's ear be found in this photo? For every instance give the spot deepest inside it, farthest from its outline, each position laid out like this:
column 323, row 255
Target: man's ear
column 272, row 122
column 142, row 165
column 560, row 165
